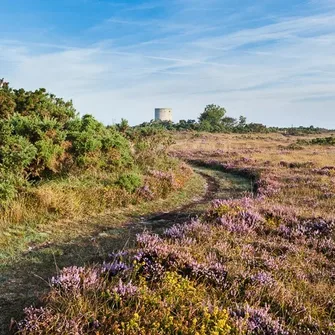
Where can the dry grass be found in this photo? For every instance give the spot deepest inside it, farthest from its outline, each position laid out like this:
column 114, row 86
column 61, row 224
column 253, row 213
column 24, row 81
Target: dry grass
column 265, row 260
column 34, row 216
column 303, row 187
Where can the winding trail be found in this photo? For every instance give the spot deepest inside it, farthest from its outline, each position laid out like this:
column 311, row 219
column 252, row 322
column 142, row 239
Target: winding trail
column 22, row 283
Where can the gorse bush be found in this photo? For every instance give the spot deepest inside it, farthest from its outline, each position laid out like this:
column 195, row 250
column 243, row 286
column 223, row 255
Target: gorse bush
column 41, row 137
column 129, row 181
column 55, row 164
column 94, row 145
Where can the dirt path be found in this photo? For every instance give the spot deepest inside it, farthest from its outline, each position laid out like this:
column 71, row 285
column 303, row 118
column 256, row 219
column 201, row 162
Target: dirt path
column 25, row 281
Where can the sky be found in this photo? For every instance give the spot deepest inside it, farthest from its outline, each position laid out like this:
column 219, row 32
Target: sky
column 272, row 61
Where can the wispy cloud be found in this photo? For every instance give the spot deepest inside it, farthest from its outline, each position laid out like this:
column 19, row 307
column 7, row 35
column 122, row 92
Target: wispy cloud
column 273, row 68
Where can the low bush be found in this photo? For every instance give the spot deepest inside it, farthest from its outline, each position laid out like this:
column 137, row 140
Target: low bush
column 318, row 141
column 41, row 138
column 129, row 182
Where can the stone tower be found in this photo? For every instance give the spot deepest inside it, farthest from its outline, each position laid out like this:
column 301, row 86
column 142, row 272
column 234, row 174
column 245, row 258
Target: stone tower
column 163, row 114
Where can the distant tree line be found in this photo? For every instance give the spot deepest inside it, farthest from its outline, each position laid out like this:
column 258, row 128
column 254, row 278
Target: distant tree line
column 214, row 119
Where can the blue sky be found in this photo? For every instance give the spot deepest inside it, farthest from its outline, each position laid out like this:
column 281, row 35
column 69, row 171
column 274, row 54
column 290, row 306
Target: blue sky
column 272, row 61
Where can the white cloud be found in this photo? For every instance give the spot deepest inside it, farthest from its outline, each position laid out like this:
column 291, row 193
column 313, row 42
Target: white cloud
column 282, row 72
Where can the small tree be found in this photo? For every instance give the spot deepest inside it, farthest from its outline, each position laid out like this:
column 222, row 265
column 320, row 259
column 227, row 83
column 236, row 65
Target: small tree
column 228, row 123
column 123, row 126
column 212, row 115
column 242, row 121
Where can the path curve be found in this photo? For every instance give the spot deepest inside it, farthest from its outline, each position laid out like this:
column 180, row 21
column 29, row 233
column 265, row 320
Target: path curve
column 218, row 185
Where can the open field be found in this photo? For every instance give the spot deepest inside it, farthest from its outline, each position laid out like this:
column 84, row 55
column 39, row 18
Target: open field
column 261, row 262
column 305, row 172
column 24, row 278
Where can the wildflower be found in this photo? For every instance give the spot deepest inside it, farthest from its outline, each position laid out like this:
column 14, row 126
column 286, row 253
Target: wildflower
column 118, row 254
column 266, row 187
column 180, row 231
column 214, row 273
column 145, row 192
column 34, row 319
column 258, row 321
column 113, row 269
column 263, row 278
column 148, row 240
column 74, row 278
column 125, row 290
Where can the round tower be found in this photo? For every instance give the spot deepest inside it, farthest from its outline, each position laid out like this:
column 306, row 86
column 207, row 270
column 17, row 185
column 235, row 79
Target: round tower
column 163, row 114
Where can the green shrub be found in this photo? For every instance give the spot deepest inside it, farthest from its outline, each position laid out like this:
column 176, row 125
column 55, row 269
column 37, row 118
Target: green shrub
column 42, row 104
column 323, row 141
column 41, row 137
column 94, row 145
column 318, row 141
column 16, row 154
column 7, row 104
column 7, row 187
column 129, row 182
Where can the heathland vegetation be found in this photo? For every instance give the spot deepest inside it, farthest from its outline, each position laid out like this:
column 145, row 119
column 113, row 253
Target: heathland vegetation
column 262, row 263
column 258, row 261
column 55, row 164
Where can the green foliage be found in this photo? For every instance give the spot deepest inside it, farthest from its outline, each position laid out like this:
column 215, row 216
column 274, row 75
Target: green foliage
column 7, row 186
column 205, row 125
column 319, row 141
column 211, row 117
column 214, row 119
column 43, row 105
column 256, row 128
column 7, row 104
column 129, row 182
column 41, row 137
column 94, row 145
column 228, row 123
column 17, row 153
column 123, row 126
column 187, row 125
column 242, row 121
column 300, row 131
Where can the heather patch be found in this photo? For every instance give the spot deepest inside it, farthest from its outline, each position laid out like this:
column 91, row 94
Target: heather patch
column 74, row 279
column 263, row 262
column 325, row 171
column 187, row 230
column 156, row 256
column 237, row 216
column 174, row 305
column 257, row 321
